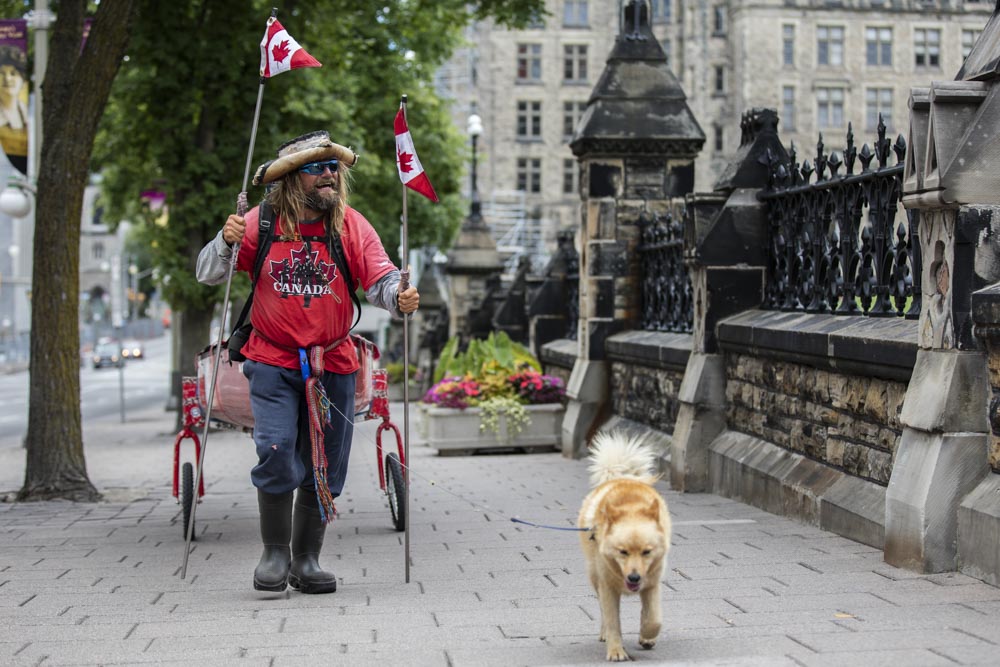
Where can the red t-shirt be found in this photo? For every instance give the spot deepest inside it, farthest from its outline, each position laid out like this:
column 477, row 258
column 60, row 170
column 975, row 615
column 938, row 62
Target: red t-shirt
column 301, row 299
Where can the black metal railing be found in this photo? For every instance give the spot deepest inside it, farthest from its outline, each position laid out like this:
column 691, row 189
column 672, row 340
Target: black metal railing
column 838, row 244
column 572, row 259
column 667, row 304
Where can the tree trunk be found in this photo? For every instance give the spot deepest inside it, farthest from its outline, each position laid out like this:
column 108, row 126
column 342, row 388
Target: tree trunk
column 75, row 91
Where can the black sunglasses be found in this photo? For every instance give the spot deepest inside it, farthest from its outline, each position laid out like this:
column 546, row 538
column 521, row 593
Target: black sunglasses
column 317, row 168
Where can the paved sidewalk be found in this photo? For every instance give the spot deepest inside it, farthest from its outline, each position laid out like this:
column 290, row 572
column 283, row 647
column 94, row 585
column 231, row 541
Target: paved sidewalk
column 99, row 584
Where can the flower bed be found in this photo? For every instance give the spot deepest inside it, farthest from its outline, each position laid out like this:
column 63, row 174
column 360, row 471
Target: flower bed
column 492, row 395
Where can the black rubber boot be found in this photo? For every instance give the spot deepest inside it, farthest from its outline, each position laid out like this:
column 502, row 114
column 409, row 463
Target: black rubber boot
column 308, row 531
column 275, row 532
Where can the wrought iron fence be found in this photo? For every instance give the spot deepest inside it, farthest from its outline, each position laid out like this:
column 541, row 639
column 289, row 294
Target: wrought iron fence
column 667, row 304
column 572, row 284
column 837, row 244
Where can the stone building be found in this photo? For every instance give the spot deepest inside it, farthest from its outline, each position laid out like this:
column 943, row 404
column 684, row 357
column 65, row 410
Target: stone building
column 820, row 64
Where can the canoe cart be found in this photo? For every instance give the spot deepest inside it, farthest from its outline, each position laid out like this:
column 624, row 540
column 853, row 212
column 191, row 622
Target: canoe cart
column 231, row 409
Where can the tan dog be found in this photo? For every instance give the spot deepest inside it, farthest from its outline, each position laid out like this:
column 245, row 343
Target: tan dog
column 628, row 535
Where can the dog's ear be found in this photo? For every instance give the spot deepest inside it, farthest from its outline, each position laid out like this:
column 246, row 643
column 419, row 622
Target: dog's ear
column 654, row 508
column 606, row 515
column 609, row 513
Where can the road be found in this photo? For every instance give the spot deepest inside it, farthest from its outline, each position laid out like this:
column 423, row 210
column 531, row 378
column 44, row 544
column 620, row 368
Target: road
column 145, row 381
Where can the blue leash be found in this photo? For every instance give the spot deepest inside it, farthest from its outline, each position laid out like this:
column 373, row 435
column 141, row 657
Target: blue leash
column 540, row 525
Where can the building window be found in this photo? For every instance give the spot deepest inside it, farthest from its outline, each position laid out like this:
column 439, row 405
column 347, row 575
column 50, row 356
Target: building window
column 788, row 107
column 575, row 63
column 529, row 62
column 97, row 250
column 718, row 139
column 878, row 101
column 570, row 177
column 788, row 45
column 529, row 174
column 829, row 45
column 969, row 38
column 665, row 45
column 661, row 11
column 927, row 47
column 575, row 14
column 719, row 76
column 572, row 112
column 529, row 121
column 878, row 46
column 719, row 20
column 830, row 107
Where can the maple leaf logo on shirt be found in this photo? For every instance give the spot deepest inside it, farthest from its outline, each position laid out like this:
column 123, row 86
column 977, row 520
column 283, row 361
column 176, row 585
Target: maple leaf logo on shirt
column 280, row 51
column 303, row 275
column 404, row 161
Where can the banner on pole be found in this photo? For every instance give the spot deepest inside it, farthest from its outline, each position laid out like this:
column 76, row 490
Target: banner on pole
column 411, row 172
column 14, row 117
column 279, row 52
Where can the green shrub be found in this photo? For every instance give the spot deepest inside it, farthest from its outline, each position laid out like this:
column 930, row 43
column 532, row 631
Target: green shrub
column 497, row 354
column 394, row 371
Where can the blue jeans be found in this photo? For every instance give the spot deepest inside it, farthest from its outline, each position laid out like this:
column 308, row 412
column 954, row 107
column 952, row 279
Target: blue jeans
column 281, row 422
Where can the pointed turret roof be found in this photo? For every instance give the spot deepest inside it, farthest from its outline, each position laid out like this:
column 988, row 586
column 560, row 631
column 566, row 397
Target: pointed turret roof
column 638, row 106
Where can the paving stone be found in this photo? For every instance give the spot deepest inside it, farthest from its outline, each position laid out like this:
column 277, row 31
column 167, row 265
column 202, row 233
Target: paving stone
column 99, row 584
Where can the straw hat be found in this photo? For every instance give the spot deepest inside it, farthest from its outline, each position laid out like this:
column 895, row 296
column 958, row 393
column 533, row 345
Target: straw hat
column 300, row 151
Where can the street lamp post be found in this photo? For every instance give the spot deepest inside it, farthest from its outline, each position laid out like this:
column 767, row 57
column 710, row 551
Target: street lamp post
column 17, row 198
column 475, row 128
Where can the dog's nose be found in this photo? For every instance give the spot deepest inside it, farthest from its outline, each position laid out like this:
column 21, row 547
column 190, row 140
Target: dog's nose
column 634, row 578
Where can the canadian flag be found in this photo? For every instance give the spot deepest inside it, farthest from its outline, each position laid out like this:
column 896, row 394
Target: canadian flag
column 410, row 172
column 279, row 52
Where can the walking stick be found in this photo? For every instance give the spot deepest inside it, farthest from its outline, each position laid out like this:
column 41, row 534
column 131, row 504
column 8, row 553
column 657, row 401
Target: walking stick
column 241, row 209
column 414, row 178
column 404, row 283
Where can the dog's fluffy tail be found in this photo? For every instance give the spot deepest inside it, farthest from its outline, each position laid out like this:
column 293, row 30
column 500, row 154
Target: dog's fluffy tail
column 615, row 454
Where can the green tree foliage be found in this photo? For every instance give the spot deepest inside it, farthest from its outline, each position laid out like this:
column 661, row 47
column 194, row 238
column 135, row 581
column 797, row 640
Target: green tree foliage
column 181, row 111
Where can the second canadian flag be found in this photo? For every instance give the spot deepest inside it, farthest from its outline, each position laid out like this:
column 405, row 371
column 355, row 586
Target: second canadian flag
column 411, row 173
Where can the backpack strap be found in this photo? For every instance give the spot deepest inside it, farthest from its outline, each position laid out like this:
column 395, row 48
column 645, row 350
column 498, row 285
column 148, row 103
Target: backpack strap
column 264, row 238
column 337, row 250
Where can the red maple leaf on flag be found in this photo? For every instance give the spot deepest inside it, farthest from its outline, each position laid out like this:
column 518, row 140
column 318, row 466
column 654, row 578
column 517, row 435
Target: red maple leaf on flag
column 280, row 51
column 404, row 162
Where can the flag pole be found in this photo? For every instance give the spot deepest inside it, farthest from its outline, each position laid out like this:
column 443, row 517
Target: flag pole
column 403, row 284
column 241, row 209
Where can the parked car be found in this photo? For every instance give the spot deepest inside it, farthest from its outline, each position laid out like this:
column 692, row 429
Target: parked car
column 133, row 349
column 108, row 354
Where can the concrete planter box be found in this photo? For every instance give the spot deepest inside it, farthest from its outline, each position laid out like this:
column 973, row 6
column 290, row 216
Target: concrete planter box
column 452, row 431
column 395, row 392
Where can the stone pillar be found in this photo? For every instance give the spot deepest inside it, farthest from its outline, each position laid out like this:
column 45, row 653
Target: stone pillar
column 553, row 298
column 979, row 513
column 636, row 144
column 941, row 456
column 511, row 314
column 472, row 261
column 725, row 236
column 430, row 321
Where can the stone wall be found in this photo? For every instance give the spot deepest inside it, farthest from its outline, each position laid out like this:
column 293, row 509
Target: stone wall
column 850, row 422
column 646, row 395
column 993, row 364
column 646, row 371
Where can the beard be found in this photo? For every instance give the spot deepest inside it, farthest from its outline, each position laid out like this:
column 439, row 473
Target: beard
column 323, row 199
